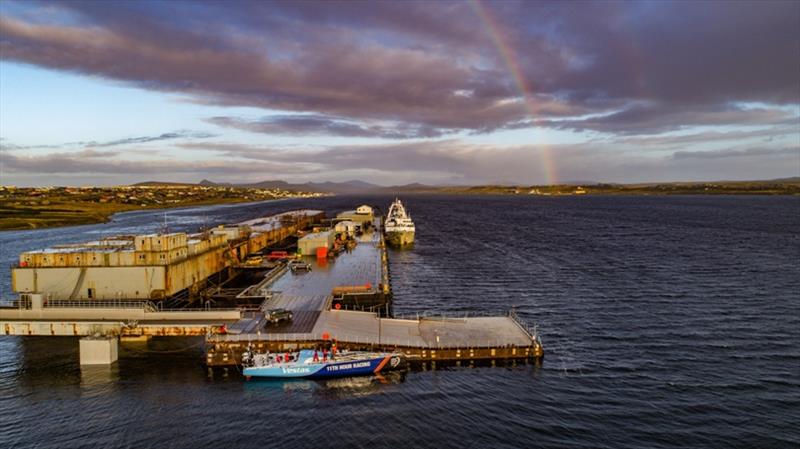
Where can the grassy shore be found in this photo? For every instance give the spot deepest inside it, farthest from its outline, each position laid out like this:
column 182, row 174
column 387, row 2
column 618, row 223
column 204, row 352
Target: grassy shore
column 789, row 187
column 77, row 213
column 33, row 208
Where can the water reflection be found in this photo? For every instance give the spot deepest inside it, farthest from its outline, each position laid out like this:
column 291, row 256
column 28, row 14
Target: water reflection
column 44, row 362
column 338, row 388
column 99, row 379
column 647, row 292
column 448, row 365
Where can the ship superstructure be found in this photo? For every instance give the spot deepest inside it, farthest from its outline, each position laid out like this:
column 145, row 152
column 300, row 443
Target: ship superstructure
column 398, row 226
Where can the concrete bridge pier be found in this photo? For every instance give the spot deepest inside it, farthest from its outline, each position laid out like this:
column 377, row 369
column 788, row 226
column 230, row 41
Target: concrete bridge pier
column 99, row 350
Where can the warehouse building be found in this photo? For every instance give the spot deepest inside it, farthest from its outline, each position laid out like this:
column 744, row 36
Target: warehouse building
column 308, row 244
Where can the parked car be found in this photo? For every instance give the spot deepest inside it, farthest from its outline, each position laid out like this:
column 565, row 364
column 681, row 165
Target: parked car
column 299, row 265
column 275, row 316
column 254, row 261
column 278, row 255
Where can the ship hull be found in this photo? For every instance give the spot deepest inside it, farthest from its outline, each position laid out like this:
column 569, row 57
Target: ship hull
column 400, row 238
column 326, row 370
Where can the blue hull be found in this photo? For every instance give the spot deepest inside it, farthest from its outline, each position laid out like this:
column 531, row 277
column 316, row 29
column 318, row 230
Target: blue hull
column 321, row 370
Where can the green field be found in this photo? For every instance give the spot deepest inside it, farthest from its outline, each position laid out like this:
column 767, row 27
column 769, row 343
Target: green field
column 76, row 213
column 789, row 187
column 33, row 208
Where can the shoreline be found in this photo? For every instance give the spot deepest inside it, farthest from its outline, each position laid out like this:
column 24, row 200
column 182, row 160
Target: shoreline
column 58, row 215
column 84, row 215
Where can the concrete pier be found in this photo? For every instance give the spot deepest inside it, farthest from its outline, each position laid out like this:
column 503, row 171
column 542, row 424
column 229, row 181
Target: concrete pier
column 99, row 350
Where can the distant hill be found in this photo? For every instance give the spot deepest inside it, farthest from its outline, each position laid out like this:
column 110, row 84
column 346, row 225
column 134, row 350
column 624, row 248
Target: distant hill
column 341, row 187
column 360, row 187
column 792, row 180
column 353, row 186
column 162, row 183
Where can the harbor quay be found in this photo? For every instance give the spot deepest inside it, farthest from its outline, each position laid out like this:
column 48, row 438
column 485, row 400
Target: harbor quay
column 296, row 280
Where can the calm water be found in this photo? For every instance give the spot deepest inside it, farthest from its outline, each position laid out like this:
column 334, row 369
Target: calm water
column 667, row 321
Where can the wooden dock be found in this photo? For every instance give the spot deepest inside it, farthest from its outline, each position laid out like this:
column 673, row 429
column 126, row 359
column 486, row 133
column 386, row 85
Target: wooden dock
column 423, row 339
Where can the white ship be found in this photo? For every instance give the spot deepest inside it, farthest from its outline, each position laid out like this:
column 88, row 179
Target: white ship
column 398, row 226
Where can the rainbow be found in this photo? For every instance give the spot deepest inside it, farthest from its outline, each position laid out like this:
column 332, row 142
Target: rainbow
column 526, row 92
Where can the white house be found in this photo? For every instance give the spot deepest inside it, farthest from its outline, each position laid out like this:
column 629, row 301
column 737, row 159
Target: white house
column 346, row 227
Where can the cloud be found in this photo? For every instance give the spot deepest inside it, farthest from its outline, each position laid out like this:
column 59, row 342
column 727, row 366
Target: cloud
column 653, row 79
column 769, row 134
column 451, row 161
column 462, row 162
column 92, row 162
column 336, row 79
column 148, row 139
column 321, row 125
column 750, row 152
column 441, row 159
column 666, row 117
column 187, row 135
column 443, row 66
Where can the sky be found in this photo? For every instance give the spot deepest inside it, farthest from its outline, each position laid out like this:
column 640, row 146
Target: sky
column 435, row 92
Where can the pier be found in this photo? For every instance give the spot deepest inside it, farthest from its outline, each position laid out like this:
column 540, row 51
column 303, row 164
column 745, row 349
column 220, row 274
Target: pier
column 342, row 295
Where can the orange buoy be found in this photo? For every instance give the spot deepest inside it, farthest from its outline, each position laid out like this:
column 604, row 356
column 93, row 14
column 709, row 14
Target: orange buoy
column 337, row 306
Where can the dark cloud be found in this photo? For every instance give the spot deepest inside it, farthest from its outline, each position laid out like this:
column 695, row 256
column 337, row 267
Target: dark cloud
column 641, row 74
column 337, row 79
column 428, row 66
column 709, row 52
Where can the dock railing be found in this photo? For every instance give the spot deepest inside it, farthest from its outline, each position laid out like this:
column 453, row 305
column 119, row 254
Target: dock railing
column 385, row 341
column 10, row 303
column 532, row 331
column 355, row 340
column 450, row 315
column 25, row 303
column 355, row 308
